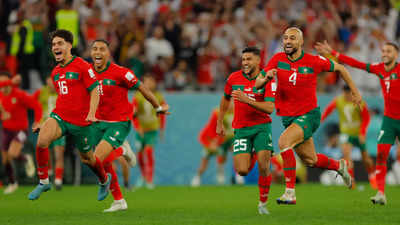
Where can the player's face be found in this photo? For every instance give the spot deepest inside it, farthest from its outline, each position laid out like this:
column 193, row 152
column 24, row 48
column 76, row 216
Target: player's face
column 100, row 54
column 60, row 49
column 291, row 41
column 389, row 54
column 250, row 62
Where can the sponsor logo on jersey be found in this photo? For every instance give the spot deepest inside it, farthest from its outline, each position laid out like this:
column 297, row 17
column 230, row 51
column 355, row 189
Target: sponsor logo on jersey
column 129, row 76
column 112, row 138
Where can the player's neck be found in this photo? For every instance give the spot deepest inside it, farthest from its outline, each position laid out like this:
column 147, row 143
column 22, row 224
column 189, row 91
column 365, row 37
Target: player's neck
column 390, row 66
column 254, row 74
column 295, row 56
column 102, row 67
column 66, row 60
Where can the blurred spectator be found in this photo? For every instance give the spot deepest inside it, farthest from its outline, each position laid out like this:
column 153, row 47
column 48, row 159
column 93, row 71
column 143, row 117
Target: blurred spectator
column 157, row 46
column 136, row 59
column 177, row 79
column 68, row 18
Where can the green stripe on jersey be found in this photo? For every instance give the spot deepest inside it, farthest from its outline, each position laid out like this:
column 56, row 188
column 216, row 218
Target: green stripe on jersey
column 368, row 69
column 93, row 86
column 263, row 73
column 283, row 65
column 238, row 87
column 255, row 91
column 269, row 99
column 380, row 76
column 71, row 75
column 331, row 69
column 56, row 77
column 136, row 85
column 109, row 82
column 305, row 70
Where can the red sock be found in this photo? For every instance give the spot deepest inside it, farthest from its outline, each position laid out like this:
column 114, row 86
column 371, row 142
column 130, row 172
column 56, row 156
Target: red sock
column 114, row 186
column 59, row 173
column 324, row 162
column 10, row 173
column 253, row 161
column 141, row 163
column 289, row 168
column 113, row 155
column 381, row 158
column 42, row 159
column 351, row 172
column 263, row 186
column 149, row 164
column 98, row 169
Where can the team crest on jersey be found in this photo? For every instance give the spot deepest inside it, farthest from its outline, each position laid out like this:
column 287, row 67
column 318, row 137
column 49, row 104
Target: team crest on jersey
column 116, row 133
column 91, row 73
column 129, row 76
column 393, row 76
column 14, row 100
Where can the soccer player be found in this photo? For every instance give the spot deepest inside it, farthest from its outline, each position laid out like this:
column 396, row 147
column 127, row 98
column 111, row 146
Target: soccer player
column 76, row 104
column 147, row 123
column 296, row 103
column 251, row 122
column 15, row 104
column 388, row 72
column 353, row 123
column 214, row 144
column 47, row 96
column 114, row 113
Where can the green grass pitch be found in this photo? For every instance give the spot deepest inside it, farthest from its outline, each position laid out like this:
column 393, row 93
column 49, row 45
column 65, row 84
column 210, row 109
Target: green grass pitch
column 316, row 204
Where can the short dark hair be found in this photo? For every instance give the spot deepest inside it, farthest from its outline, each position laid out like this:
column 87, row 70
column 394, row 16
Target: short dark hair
column 251, row 49
column 394, row 45
column 101, row 40
column 64, row 34
column 5, row 73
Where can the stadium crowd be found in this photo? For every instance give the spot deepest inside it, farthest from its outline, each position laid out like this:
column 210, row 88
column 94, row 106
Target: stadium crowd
column 192, row 44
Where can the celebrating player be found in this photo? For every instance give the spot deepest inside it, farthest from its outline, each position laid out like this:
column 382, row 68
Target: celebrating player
column 148, row 122
column 251, row 122
column 47, row 96
column 353, row 123
column 15, row 104
column 114, row 113
column 214, row 144
column 296, row 103
column 77, row 101
column 388, row 72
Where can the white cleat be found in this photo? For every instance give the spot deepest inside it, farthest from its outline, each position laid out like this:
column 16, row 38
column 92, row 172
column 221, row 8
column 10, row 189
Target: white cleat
column 343, row 171
column 379, row 198
column 117, row 205
column 128, row 154
column 196, row 181
column 239, row 179
column 220, row 179
column 288, row 198
column 150, row 186
column 262, row 208
column 11, row 188
column 29, row 166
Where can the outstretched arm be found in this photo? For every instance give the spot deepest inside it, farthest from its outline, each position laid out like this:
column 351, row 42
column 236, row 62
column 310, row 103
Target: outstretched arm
column 329, row 109
column 347, row 78
column 149, row 96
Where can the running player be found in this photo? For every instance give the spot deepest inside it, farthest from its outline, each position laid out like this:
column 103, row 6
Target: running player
column 47, row 96
column 15, row 104
column 388, row 72
column 114, row 113
column 251, row 122
column 77, row 101
column 353, row 123
column 214, row 144
column 147, row 123
column 296, row 103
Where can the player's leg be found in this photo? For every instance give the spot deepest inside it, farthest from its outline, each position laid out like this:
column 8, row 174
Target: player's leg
column 15, row 153
column 346, row 150
column 196, row 180
column 221, row 159
column 51, row 130
column 125, row 172
column 7, row 137
column 368, row 163
column 59, row 150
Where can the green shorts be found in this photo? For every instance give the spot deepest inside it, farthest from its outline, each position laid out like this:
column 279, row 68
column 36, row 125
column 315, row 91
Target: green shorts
column 389, row 131
column 114, row 133
column 258, row 137
column 221, row 150
column 354, row 140
column 309, row 122
column 149, row 138
column 58, row 142
column 81, row 135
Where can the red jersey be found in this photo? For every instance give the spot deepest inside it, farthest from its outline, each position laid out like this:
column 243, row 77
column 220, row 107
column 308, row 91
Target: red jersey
column 17, row 104
column 208, row 133
column 244, row 114
column 73, row 82
column 296, row 93
column 115, row 82
column 390, row 83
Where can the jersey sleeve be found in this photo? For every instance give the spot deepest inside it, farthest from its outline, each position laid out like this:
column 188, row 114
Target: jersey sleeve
column 33, row 104
column 329, row 109
column 228, row 88
column 323, row 64
column 365, row 119
column 270, row 89
column 370, row 68
column 272, row 64
column 129, row 80
column 89, row 77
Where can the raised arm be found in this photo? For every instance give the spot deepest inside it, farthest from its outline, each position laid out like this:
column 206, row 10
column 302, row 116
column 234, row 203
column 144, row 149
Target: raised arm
column 347, row 78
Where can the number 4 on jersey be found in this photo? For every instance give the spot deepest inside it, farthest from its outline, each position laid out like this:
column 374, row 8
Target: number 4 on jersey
column 293, row 78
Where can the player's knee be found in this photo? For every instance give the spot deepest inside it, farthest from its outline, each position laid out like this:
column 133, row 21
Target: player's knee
column 283, row 144
column 43, row 142
column 309, row 161
column 263, row 171
column 242, row 171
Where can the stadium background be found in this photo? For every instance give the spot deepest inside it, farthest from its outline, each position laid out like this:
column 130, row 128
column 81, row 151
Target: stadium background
column 191, row 46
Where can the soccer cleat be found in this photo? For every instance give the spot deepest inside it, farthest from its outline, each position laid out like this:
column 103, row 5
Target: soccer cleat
column 239, row 179
column 104, row 188
column 128, row 154
column 58, row 184
column 288, row 198
column 117, row 205
column 343, row 171
column 196, row 181
column 262, row 208
column 39, row 189
column 11, row 188
column 150, row 186
column 379, row 198
column 29, row 166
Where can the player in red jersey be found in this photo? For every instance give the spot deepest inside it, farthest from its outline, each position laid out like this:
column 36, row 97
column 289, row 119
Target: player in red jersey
column 296, row 103
column 15, row 104
column 251, row 122
column 388, row 72
column 114, row 114
column 77, row 101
